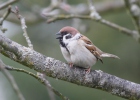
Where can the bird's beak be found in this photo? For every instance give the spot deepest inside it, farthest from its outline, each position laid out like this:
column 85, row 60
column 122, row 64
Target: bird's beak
column 59, row 35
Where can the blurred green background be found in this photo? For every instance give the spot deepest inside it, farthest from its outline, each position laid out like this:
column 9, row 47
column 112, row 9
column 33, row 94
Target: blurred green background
column 43, row 39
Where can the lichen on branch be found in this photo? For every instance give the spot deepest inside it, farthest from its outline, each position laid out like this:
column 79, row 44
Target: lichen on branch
column 57, row 69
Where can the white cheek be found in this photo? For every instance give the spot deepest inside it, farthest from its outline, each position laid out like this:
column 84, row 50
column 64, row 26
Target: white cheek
column 72, row 41
column 66, row 41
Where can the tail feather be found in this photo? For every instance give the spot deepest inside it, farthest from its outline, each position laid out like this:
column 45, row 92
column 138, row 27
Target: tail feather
column 109, row 55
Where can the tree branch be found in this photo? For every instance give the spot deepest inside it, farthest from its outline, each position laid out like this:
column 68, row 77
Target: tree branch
column 134, row 11
column 51, row 94
column 39, row 78
column 132, row 33
column 11, row 80
column 57, row 69
column 6, row 14
column 23, row 26
column 57, row 7
column 4, row 5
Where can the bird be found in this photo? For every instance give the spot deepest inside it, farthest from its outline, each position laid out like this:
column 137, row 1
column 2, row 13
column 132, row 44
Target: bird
column 78, row 50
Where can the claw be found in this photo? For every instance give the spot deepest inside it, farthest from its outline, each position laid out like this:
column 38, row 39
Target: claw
column 71, row 64
column 88, row 70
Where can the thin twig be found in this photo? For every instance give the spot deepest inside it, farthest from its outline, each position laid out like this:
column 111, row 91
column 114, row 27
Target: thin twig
column 134, row 11
column 50, row 92
column 132, row 33
column 23, row 25
column 94, row 15
column 3, row 18
column 16, row 11
column 93, row 12
column 58, row 7
column 41, row 79
column 4, row 5
column 11, row 80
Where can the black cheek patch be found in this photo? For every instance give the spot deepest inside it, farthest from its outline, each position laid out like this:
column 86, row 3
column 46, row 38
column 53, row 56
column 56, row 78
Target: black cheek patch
column 63, row 44
column 69, row 36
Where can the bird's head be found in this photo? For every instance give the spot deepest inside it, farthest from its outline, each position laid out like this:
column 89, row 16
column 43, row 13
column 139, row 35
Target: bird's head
column 67, row 33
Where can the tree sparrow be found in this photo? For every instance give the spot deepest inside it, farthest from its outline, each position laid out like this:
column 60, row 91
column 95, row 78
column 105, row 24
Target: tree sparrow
column 77, row 49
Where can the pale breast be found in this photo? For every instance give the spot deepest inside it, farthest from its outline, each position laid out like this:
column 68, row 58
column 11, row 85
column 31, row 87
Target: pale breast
column 66, row 54
column 80, row 55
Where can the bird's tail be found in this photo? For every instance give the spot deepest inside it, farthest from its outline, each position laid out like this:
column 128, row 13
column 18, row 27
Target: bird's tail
column 109, row 55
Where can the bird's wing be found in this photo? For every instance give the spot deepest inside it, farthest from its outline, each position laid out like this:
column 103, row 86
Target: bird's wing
column 92, row 48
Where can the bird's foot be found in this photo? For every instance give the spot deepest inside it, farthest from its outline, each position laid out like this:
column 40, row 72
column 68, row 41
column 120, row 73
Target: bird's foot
column 71, row 64
column 88, row 70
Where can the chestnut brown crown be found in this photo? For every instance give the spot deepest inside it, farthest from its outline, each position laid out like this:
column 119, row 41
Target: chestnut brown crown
column 68, row 29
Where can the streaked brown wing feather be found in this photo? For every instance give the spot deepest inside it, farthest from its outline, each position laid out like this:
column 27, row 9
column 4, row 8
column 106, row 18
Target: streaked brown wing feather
column 92, row 48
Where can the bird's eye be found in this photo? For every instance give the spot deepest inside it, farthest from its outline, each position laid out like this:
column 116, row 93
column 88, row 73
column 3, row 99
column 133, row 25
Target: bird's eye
column 68, row 36
column 64, row 33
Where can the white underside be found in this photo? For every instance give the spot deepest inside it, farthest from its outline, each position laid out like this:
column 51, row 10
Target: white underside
column 66, row 54
column 79, row 54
